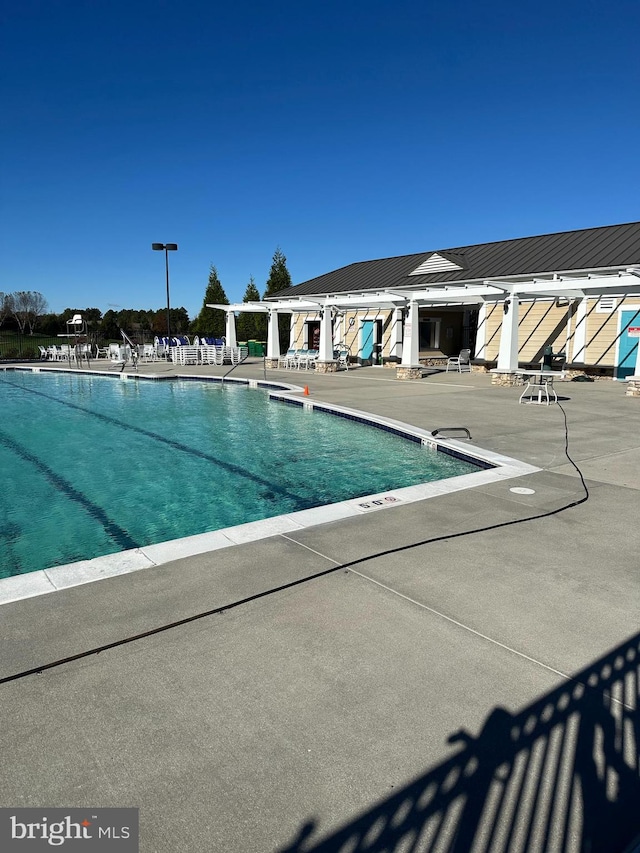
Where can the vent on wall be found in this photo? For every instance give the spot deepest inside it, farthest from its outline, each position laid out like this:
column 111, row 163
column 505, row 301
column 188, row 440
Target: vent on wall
column 606, row 304
column 436, row 263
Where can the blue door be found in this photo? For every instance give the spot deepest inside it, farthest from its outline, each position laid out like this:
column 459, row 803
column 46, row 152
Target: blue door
column 628, row 343
column 366, row 338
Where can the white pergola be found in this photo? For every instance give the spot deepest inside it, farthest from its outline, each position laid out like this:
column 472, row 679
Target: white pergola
column 575, row 286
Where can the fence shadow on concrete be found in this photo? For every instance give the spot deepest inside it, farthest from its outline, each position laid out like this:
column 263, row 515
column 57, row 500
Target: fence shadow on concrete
column 561, row 775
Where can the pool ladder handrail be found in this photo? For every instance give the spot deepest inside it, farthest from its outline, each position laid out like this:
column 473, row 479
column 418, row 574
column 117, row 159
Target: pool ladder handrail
column 437, row 431
column 233, row 367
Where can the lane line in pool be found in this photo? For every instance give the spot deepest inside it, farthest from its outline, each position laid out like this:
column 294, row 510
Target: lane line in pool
column 176, row 445
column 119, row 536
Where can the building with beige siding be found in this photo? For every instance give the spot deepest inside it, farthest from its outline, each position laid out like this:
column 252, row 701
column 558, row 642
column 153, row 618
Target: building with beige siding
column 574, row 294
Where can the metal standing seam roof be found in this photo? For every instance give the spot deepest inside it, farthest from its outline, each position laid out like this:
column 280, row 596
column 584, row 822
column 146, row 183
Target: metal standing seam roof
column 591, row 248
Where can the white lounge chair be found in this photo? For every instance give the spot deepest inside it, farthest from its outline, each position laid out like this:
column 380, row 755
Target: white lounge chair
column 186, row 354
column 207, row 354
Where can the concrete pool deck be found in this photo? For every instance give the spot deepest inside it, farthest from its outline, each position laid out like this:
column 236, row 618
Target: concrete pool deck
column 326, row 709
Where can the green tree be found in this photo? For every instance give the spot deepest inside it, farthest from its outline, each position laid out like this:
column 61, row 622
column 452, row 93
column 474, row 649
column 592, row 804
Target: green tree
column 251, row 326
column 109, row 326
column 279, row 279
column 51, row 324
column 209, row 321
column 180, row 321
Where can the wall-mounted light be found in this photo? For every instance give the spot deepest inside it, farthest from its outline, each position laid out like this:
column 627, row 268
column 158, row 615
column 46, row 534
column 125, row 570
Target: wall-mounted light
column 505, row 307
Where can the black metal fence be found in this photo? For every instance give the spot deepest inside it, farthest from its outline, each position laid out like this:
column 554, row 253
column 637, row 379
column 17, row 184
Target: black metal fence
column 560, row 776
column 18, row 347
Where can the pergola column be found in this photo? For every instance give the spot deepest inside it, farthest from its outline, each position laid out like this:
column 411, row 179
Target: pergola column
column 505, row 373
column 410, row 367
column 326, row 362
column 508, row 352
column 230, row 329
column 273, row 340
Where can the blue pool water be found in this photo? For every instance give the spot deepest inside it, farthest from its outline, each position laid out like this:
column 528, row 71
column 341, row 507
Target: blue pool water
column 93, row 465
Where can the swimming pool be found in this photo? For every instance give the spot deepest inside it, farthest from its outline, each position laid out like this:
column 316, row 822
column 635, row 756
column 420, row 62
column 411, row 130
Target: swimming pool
column 94, row 465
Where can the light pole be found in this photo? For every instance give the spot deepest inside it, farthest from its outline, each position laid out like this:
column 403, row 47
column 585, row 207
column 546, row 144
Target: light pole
column 167, row 247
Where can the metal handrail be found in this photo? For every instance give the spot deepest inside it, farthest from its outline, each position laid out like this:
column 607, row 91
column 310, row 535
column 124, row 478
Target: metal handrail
column 233, row 367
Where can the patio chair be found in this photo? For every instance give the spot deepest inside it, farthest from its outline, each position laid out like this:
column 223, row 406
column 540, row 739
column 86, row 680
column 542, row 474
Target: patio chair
column 301, row 358
column 342, row 357
column 288, row 360
column 306, row 358
column 44, row 355
column 60, row 353
column 461, row 363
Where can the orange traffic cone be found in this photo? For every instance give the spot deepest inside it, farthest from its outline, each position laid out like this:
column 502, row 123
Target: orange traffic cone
column 306, row 391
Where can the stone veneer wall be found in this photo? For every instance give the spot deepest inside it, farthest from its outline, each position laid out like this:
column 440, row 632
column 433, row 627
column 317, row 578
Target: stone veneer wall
column 633, row 387
column 408, row 373
column 507, row 379
column 326, row 366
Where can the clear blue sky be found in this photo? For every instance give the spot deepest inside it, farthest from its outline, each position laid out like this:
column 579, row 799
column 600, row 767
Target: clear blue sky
column 339, row 131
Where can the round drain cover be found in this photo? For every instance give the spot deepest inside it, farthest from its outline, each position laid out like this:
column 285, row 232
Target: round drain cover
column 520, row 490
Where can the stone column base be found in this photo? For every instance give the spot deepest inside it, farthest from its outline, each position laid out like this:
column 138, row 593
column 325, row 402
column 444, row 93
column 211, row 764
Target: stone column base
column 506, row 379
column 633, row 387
column 271, row 362
column 408, row 372
column 326, row 366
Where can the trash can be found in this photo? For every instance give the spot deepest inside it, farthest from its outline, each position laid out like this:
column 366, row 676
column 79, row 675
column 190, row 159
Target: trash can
column 256, row 348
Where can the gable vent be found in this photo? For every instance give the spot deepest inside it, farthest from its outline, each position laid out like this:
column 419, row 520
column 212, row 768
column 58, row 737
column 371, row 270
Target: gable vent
column 606, row 304
column 435, row 263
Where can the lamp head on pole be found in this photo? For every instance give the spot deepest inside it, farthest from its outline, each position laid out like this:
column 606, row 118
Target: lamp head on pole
column 159, row 247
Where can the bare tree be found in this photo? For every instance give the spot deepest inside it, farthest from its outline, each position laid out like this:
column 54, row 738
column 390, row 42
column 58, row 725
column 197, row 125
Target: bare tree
column 27, row 306
column 4, row 307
